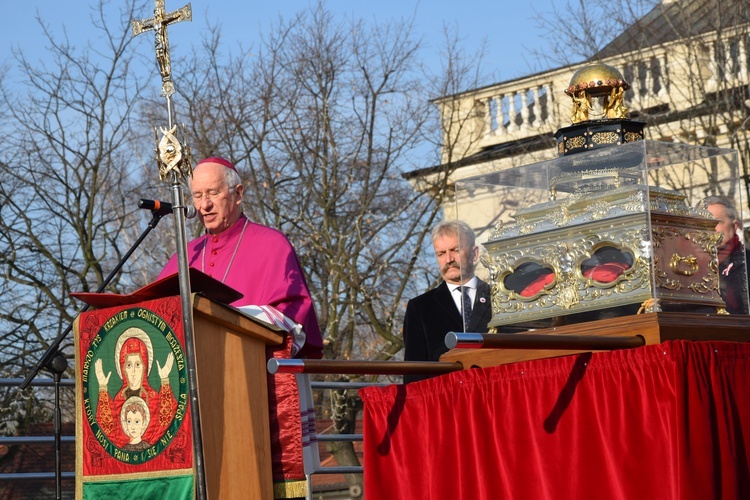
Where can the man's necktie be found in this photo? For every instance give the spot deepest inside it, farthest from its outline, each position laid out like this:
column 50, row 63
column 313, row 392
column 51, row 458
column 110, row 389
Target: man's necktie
column 466, row 305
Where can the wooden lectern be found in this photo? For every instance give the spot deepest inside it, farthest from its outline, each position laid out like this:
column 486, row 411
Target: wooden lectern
column 230, row 364
column 230, row 351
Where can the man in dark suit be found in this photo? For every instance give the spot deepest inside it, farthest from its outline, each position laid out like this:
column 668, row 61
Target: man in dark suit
column 460, row 303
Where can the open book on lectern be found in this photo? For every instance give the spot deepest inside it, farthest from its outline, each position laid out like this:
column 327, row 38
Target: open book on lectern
column 165, row 287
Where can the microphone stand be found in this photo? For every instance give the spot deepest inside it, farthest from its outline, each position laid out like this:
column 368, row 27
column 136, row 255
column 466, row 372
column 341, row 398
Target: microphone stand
column 54, row 360
column 57, row 365
column 54, row 348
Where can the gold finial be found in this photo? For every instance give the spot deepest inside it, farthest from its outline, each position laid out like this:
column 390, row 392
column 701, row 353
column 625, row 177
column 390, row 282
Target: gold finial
column 171, row 155
column 597, row 81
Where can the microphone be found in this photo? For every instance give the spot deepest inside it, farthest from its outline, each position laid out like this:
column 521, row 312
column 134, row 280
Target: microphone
column 164, row 208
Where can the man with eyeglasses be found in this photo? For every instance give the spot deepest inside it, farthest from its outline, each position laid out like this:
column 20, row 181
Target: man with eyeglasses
column 260, row 263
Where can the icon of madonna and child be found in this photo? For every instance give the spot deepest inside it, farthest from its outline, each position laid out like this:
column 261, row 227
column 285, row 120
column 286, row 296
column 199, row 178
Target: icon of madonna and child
column 136, row 416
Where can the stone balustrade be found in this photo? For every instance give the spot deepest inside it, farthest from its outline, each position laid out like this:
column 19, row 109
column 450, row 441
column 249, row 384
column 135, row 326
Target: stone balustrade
column 670, row 77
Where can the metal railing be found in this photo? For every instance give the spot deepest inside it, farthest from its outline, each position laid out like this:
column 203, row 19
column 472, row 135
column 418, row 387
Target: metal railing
column 340, row 469
column 68, row 439
column 35, row 440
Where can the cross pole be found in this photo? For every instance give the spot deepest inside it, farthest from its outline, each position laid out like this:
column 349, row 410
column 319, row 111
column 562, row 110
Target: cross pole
column 174, row 163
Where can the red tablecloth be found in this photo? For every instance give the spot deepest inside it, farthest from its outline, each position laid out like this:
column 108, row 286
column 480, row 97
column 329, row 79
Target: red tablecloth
column 668, row 421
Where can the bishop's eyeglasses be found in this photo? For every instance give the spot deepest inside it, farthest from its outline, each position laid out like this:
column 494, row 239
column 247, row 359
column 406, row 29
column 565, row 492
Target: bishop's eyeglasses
column 208, row 195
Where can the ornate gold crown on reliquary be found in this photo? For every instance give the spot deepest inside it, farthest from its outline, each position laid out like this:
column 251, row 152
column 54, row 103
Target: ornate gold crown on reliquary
column 607, row 240
column 599, row 115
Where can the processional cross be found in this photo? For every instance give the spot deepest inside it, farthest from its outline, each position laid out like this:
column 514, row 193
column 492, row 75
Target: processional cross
column 174, row 162
column 170, row 155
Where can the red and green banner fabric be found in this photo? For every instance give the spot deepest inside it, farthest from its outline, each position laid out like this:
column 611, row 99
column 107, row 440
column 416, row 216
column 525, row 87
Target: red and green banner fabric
column 133, row 428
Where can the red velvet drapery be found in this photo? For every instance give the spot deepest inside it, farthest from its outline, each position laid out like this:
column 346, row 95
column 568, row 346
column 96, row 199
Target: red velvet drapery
column 668, row 421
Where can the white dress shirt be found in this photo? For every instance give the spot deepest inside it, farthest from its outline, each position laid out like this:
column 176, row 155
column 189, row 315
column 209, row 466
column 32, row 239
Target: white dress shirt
column 456, row 292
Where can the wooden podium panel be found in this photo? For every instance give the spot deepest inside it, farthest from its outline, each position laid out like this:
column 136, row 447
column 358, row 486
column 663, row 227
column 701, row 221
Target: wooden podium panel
column 655, row 328
column 230, row 351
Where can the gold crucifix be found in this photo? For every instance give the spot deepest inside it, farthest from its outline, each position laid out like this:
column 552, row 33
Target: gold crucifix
column 159, row 24
column 171, row 156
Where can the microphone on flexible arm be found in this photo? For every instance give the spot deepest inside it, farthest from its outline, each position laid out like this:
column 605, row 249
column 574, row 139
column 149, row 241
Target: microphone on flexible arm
column 159, row 207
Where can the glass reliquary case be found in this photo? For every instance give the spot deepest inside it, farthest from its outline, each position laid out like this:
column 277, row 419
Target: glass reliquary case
column 603, row 232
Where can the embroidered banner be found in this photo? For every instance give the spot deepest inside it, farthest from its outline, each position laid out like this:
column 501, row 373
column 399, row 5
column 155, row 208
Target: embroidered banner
column 133, row 429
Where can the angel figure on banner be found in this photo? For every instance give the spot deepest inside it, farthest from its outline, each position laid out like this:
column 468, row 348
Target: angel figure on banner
column 134, row 357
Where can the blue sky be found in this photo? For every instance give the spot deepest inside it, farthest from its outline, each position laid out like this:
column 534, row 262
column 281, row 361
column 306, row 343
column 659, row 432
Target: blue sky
column 508, row 27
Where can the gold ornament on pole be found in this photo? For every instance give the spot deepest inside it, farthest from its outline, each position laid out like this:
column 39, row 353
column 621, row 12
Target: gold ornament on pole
column 172, row 157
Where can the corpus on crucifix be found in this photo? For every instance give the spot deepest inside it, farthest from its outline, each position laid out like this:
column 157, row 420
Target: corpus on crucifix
column 159, row 24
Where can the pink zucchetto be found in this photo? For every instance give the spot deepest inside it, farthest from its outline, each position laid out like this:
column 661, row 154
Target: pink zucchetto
column 219, row 160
